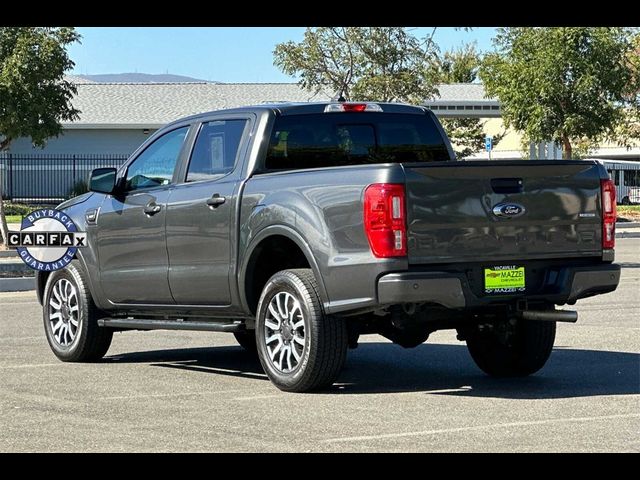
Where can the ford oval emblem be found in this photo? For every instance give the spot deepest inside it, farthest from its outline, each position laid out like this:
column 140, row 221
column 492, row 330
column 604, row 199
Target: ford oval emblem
column 508, row 210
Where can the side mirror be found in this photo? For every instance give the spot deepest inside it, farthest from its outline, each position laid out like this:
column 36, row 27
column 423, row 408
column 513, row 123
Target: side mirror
column 103, row 180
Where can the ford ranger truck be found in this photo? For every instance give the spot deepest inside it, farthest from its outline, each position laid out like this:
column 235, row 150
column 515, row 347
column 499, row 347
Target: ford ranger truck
column 300, row 227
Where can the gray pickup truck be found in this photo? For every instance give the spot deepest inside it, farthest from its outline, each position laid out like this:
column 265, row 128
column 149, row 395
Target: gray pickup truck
column 299, row 227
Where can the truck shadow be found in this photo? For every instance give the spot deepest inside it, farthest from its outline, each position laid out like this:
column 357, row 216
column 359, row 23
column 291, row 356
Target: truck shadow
column 449, row 370
column 434, row 369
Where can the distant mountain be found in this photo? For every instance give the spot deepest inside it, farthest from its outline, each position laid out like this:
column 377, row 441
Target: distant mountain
column 140, row 78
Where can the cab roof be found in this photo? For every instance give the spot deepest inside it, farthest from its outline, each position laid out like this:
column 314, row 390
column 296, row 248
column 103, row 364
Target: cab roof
column 304, row 108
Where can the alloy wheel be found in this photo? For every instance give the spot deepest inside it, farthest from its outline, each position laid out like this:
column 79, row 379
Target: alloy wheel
column 284, row 332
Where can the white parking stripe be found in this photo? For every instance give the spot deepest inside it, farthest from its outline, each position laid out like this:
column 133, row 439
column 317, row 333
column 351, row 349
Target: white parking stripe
column 9, row 339
column 35, row 365
column 35, row 303
column 183, row 394
column 258, row 397
column 478, row 428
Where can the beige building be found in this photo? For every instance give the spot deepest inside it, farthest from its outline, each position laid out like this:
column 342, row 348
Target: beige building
column 117, row 117
column 468, row 100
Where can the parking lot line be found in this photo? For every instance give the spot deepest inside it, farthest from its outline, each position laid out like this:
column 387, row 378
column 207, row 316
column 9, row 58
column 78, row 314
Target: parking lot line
column 9, row 339
column 479, row 428
column 34, row 365
column 183, row 394
column 258, row 397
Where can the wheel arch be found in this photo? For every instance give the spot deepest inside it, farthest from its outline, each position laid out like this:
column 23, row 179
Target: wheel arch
column 256, row 248
column 42, row 277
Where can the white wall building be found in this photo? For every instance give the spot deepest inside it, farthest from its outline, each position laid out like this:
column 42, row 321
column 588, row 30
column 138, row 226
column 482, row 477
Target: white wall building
column 117, row 117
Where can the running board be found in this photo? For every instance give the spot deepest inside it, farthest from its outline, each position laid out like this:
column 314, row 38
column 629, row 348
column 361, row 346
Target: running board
column 148, row 324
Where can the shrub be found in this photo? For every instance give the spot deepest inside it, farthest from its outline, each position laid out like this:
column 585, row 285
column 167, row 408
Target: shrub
column 78, row 188
column 17, row 209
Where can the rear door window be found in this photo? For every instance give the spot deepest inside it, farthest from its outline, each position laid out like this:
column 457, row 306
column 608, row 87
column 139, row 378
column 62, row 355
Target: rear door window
column 216, row 149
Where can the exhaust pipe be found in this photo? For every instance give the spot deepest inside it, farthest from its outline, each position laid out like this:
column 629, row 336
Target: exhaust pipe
column 570, row 316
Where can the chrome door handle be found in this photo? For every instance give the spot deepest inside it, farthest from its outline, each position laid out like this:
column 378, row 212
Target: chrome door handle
column 152, row 209
column 216, row 201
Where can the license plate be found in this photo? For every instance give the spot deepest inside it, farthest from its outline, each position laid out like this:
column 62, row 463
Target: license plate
column 504, row 279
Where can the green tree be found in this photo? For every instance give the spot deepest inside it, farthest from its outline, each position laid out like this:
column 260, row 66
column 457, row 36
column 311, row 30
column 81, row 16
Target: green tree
column 383, row 64
column 34, row 95
column 461, row 66
column 566, row 84
column 361, row 63
column 627, row 132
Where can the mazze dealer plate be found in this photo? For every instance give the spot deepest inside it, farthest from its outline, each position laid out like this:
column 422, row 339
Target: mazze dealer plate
column 504, row 279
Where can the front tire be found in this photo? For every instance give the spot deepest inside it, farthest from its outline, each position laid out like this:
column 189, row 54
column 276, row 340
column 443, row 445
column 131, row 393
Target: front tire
column 71, row 317
column 512, row 350
column 300, row 347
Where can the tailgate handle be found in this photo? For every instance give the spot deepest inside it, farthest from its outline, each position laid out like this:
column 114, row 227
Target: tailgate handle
column 507, row 185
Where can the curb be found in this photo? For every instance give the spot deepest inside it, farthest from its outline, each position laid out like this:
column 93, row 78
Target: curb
column 627, row 224
column 18, row 266
column 627, row 234
column 21, row 284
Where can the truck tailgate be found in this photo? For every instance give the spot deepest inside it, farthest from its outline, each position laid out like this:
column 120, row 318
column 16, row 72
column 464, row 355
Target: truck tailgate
column 451, row 218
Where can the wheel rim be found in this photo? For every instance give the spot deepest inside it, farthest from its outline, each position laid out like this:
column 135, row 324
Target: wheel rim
column 284, row 332
column 64, row 312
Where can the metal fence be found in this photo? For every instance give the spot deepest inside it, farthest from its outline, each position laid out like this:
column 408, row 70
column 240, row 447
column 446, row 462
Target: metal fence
column 49, row 178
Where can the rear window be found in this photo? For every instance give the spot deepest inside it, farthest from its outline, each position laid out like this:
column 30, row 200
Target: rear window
column 339, row 139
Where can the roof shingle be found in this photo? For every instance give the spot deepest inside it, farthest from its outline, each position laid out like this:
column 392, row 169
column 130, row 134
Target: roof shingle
column 155, row 104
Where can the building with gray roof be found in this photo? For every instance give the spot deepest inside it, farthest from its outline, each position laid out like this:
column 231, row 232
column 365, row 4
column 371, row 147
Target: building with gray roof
column 116, row 118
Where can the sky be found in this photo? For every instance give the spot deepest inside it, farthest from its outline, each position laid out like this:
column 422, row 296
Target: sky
column 224, row 54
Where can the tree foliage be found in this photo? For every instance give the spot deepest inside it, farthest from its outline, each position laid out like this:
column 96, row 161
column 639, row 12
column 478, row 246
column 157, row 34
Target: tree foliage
column 568, row 84
column 382, row 64
column 34, row 95
column 627, row 132
column 361, row 63
column 467, row 135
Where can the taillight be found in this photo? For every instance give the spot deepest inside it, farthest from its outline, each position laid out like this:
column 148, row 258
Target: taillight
column 608, row 194
column 385, row 219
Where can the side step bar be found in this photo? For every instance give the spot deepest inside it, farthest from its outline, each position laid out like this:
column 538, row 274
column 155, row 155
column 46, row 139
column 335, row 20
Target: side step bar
column 149, row 324
column 570, row 316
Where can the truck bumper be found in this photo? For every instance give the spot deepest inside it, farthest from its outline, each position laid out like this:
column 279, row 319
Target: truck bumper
column 452, row 290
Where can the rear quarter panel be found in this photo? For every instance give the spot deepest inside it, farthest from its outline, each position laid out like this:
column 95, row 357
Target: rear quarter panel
column 325, row 208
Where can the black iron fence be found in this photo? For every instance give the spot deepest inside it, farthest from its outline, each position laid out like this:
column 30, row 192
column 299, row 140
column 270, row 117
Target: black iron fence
column 49, row 178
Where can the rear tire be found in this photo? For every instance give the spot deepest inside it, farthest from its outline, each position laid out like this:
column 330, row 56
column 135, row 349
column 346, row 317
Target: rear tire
column 71, row 317
column 510, row 350
column 626, row 201
column 300, row 347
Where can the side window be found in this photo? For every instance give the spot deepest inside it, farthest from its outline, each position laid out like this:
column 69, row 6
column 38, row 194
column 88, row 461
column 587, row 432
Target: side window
column 154, row 167
column 216, row 149
column 631, row 178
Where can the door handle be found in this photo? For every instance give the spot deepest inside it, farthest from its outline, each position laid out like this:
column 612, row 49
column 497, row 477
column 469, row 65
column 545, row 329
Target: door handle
column 152, row 208
column 216, row 201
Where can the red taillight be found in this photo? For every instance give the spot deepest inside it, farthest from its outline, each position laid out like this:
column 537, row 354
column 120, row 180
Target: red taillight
column 385, row 219
column 354, row 107
column 608, row 194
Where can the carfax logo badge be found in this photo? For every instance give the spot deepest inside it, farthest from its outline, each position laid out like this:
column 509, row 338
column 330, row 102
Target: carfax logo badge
column 48, row 240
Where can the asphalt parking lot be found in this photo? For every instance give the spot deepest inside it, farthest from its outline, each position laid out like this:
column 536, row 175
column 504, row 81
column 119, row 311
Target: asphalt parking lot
column 189, row 391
